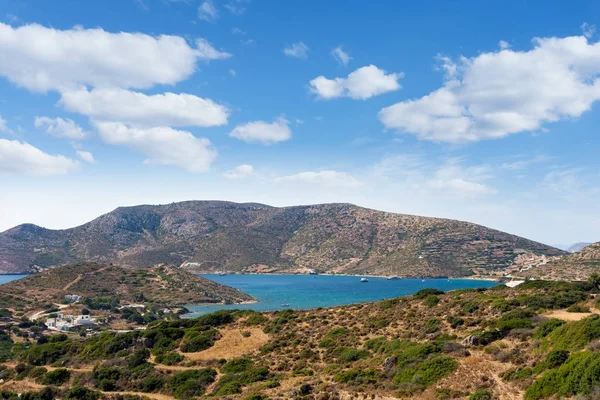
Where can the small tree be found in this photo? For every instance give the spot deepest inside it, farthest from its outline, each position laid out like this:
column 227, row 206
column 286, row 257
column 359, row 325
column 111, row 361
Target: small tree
column 595, row 279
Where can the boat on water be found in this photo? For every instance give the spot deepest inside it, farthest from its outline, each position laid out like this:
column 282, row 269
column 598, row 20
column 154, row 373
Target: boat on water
column 392, row 278
column 363, row 279
column 285, row 304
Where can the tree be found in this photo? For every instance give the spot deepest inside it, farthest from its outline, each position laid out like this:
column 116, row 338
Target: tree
column 595, row 279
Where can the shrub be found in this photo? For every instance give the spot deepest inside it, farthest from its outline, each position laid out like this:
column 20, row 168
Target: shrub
column 423, row 293
column 236, row 365
column 575, row 335
column 469, row 307
column 481, row 394
column 349, row 354
column 546, row 327
column 556, row 358
column 191, row 383
column 257, row 396
column 57, row 377
column 81, row 393
column 169, row 358
column 577, row 376
column 578, row 308
column 357, row 377
column 431, row 300
column 432, row 325
column 194, row 341
column 427, row 372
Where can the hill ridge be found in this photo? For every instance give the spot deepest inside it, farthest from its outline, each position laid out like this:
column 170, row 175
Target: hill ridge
column 252, row 237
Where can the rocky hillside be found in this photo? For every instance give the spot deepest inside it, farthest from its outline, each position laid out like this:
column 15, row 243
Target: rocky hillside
column 215, row 236
column 159, row 285
column 576, row 266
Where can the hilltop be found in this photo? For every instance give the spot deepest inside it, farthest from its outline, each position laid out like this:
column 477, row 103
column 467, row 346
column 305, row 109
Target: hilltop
column 576, row 266
column 158, row 285
column 216, row 236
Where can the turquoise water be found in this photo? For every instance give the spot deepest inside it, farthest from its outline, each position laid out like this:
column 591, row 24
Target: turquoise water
column 312, row 291
column 7, row 278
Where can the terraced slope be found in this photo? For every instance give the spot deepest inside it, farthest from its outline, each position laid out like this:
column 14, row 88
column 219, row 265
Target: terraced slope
column 214, row 236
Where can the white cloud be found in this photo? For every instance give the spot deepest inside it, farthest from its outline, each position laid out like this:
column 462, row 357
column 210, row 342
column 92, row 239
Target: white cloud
column 232, row 72
column 297, row 50
column 239, row 172
column 42, row 59
column 238, row 31
column 504, row 44
column 501, row 93
column 588, row 30
column 263, row 132
column 206, row 52
column 162, row 145
column 3, row 126
column 167, row 109
column 525, row 162
column 237, row 6
column 20, row 158
column 86, row 156
column 341, row 56
column 322, row 178
column 361, row 84
column 460, row 187
column 208, row 12
column 61, row 128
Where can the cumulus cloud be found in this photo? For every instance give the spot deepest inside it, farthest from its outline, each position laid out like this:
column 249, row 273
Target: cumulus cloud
column 501, row 93
column 341, row 56
column 41, row 59
column 297, row 50
column 263, row 132
column 61, row 128
column 361, row 84
column 322, row 178
column 20, row 158
column 86, row 156
column 162, row 145
column 588, row 30
column 206, row 52
column 167, row 109
column 239, row 172
column 208, row 12
column 237, row 7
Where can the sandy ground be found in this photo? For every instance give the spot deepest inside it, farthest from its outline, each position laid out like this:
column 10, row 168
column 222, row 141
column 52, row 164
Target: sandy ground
column 232, row 344
column 570, row 316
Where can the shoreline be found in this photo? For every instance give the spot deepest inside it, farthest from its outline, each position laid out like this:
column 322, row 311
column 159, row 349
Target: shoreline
column 475, row 278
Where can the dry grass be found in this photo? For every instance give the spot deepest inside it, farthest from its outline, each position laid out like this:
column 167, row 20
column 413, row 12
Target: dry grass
column 232, row 344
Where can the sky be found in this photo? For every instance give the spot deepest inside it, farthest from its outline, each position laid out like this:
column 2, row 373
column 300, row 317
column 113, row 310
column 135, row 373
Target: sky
column 483, row 112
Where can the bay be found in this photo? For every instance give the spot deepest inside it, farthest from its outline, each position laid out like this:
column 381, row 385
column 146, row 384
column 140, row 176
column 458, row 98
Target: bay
column 313, row 291
column 7, row 278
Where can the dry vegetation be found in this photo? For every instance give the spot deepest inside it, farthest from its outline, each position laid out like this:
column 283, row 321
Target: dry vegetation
column 497, row 343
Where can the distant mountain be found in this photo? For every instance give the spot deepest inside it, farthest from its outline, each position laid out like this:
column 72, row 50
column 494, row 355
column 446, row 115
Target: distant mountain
column 574, row 248
column 224, row 236
column 160, row 285
column 576, row 266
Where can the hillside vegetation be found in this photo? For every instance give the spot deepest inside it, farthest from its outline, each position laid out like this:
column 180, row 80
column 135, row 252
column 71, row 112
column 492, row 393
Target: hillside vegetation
column 159, row 285
column 215, row 236
column 497, row 343
column 576, row 266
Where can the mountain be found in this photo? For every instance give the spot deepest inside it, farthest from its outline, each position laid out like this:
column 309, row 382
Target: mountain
column 576, row 266
column 161, row 285
column 216, row 235
column 574, row 248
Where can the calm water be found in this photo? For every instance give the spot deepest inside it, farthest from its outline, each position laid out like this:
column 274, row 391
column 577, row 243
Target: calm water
column 312, row 291
column 8, row 278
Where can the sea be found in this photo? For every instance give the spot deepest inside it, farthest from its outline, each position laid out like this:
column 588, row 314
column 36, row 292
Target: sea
column 7, row 278
column 299, row 292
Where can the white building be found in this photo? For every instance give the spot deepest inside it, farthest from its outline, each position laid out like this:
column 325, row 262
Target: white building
column 73, row 298
column 83, row 320
column 64, row 322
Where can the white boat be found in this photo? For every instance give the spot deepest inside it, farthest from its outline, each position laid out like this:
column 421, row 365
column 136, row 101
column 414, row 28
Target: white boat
column 391, row 278
column 285, row 305
column 363, row 279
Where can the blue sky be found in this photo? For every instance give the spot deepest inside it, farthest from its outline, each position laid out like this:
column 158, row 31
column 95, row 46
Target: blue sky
column 480, row 113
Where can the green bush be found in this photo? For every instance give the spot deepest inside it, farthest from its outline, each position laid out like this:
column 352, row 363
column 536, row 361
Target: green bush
column 172, row 358
column 481, row 394
column 81, row 393
column 578, row 308
column 357, row 377
column 575, row 335
column 237, row 365
column 427, row 372
column 546, row 327
column 431, row 300
column 349, row 354
column 191, row 383
column 423, row 293
column 556, row 358
column 194, row 341
column 579, row 375
column 469, row 307
column 432, row 325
